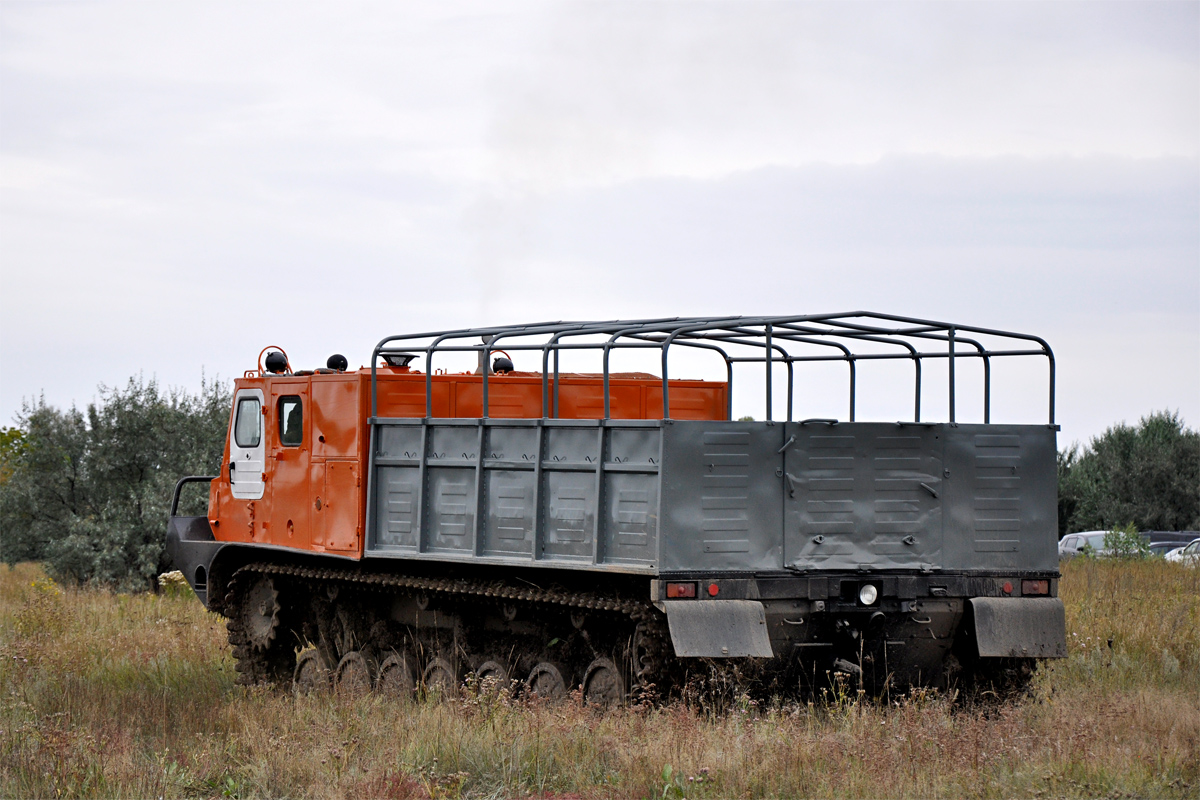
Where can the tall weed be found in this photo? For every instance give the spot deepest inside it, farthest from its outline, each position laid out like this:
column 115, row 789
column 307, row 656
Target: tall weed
column 124, row 695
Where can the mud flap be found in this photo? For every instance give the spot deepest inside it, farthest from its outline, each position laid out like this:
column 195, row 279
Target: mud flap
column 1020, row 627
column 718, row 628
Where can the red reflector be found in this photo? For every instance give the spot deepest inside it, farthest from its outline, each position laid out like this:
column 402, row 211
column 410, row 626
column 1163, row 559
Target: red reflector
column 678, row 590
column 1035, row 587
column 1008, row 587
column 713, row 589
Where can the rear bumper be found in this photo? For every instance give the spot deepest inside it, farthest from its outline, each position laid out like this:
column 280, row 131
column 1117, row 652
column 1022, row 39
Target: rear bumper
column 908, row 630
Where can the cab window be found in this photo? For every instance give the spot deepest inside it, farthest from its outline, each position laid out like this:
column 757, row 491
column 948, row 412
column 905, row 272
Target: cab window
column 247, row 429
column 291, row 421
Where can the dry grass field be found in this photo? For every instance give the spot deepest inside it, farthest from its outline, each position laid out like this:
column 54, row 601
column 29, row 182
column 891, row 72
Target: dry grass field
column 107, row 695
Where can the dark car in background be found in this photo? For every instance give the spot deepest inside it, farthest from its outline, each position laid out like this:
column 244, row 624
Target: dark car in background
column 1169, row 539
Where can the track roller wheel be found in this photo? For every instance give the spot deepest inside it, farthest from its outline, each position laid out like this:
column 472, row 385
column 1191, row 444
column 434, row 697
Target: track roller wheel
column 398, row 676
column 603, row 684
column 311, row 673
column 353, row 675
column 440, row 678
column 492, row 668
column 491, row 676
column 547, row 682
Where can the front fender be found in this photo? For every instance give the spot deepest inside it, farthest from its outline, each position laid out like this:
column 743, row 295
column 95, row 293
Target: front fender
column 191, row 549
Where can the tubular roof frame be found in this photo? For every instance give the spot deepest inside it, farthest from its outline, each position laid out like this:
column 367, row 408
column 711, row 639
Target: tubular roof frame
column 769, row 334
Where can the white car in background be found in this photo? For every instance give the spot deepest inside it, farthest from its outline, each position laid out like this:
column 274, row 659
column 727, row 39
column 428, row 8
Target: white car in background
column 1071, row 544
column 1188, row 554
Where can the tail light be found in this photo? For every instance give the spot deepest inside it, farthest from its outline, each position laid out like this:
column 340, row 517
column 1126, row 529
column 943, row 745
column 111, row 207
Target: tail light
column 678, row 591
column 1035, row 587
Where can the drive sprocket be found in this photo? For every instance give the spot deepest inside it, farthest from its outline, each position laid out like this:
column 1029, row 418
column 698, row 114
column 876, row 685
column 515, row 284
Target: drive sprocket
column 260, row 613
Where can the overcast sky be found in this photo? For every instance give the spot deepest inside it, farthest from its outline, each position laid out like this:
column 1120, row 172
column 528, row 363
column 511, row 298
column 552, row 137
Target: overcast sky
column 184, row 183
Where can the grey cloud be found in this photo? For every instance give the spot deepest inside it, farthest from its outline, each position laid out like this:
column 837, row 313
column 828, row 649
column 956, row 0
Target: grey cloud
column 185, row 183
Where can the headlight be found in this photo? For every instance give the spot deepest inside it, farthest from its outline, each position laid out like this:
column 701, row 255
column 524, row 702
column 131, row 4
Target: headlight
column 868, row 594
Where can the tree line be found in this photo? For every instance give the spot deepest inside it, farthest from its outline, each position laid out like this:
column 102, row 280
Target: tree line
column 88, row 492
column 1145, row 476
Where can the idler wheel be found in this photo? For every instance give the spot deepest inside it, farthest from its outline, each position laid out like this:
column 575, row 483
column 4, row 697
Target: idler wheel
column 546, row 681
column 398, row 676
column 353, row 675
column 311, row 673
column 260, row 613
column 440, row 678
column 603, row 684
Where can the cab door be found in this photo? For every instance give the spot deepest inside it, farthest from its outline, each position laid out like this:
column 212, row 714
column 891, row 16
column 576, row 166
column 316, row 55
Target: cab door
column 290, row 448
column 247, row 446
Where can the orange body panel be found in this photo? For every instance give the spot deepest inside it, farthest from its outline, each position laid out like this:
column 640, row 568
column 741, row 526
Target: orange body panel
column 314, row 494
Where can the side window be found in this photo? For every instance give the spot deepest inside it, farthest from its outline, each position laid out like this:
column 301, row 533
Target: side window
column 291, row 421
column 247, row 428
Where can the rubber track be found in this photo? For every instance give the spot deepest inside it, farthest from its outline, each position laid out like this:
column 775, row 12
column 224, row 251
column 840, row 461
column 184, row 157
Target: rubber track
column 647, row 617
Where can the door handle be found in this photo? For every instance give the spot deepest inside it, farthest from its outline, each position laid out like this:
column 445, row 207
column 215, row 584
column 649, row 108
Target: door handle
column 792, row 480
column 231, row 467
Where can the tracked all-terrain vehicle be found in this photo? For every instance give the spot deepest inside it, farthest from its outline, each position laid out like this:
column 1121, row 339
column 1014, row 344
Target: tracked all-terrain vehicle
column 394, row 528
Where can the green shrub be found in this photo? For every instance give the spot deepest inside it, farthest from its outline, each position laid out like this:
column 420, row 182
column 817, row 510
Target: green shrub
column 1124, row 542
column 89, row 493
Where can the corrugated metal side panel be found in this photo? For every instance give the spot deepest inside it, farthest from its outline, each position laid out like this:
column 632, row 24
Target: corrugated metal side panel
column 721, row 497
column 1001, row 497
column 396, row 517
column 715, row 495
column 863, row 494
column 530, row 493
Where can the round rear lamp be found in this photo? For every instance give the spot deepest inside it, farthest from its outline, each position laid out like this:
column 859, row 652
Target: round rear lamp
column 868, row 594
